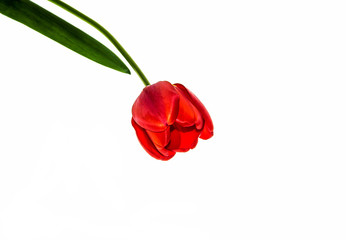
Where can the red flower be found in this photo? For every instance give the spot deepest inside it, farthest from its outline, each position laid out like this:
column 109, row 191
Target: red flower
column 168, row 119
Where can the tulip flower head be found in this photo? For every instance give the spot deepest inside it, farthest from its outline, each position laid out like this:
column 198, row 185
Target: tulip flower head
column 168, row 118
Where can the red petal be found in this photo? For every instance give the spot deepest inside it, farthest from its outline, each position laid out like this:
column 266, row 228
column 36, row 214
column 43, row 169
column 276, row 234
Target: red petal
column 183, row 139
column 166, row 152
column 160, row 139
column 148, row 145
column 188, row 114
column 156, row 107
column 208, row 128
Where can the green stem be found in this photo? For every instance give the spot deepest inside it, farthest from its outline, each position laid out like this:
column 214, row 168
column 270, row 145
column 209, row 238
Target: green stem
column 107, row 35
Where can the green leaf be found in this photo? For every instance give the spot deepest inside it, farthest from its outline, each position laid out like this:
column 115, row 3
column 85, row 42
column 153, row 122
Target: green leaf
column 50, row 25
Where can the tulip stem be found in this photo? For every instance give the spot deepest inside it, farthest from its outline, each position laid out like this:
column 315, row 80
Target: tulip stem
column 107, row 35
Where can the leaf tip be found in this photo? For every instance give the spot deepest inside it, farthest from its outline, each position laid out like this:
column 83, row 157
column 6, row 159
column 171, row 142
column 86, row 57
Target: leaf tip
column 127, row 71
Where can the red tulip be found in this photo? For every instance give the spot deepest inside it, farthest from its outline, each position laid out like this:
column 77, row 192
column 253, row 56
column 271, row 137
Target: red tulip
column 168, row 119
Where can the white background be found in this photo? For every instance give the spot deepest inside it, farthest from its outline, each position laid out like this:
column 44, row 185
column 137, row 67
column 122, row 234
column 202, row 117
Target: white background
column 272, row 75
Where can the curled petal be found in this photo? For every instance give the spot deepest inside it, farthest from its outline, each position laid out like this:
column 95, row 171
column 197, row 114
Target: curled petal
column 148, row 145
column 160, row 139
column 208, row 128
column 188, row 114
column 183, row 139
column 156, row 107
column 166, row 152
